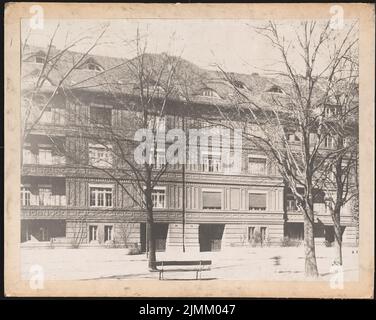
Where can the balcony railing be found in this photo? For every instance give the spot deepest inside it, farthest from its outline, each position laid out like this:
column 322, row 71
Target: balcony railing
column 55, row 160
column 51, row 201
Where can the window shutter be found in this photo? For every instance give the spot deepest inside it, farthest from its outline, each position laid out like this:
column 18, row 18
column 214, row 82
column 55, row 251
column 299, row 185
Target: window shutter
column 212, row 200
column 257, row 200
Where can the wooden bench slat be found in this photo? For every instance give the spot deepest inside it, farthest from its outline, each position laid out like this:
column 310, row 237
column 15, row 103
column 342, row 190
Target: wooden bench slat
column 183, row 270
column 183, row 263
column 197, row 266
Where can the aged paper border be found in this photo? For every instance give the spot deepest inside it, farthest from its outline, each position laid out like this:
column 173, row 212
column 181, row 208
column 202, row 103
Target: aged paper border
column 15, row 286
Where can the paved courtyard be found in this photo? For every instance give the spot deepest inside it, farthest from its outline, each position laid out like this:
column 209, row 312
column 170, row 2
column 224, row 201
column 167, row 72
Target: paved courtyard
column 268, row 263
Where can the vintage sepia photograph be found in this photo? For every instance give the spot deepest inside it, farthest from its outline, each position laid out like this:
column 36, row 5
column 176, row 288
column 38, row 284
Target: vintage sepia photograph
column 161, row 150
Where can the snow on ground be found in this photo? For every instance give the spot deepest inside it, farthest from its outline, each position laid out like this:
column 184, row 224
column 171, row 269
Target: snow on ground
column 267, row 263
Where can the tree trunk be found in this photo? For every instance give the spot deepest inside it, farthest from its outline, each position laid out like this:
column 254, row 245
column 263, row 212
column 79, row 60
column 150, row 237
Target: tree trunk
column 151, row 241
column 309, row 249
column 337, row 236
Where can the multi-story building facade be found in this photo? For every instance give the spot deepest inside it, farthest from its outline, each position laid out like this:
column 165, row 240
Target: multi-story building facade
column 69, row 201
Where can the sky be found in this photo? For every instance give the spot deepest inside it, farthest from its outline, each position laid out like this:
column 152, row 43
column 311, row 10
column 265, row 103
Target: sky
column 233, row 44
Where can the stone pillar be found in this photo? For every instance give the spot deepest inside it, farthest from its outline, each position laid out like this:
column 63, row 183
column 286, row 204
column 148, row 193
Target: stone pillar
column 192, row 238
column 174, row 241
column 234, row 235
column 275, row 234
column 349, row 236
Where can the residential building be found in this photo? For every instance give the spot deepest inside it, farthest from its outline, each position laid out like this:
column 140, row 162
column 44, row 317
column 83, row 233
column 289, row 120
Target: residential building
column 70, row 197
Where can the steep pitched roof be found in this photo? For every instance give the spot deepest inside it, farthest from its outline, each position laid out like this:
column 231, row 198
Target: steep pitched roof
column 122, row 75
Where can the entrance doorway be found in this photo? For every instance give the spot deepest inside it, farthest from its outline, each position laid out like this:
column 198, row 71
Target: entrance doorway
column 329, row 233
column 160, row 231
column 210, row 236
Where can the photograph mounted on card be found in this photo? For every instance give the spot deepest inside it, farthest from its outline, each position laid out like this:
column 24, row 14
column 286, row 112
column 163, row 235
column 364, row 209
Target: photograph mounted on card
column 189, row 150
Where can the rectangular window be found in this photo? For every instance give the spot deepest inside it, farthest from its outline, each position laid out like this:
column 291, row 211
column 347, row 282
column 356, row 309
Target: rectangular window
column 28, row 157
column 327, row 205
column 25, row 196
column 159, row 198
column 251, row 233
column 158, row 159
column 157, row 123
column 45, row 155
column 211, row 163
column 93, row 233
column 207, row 93
column 263, row 233
column 257, row 201
column 257, row 165
column 330, row 111
column 291, row 205
column 100, row 155
column 108, row 233
column 161, row 160
column 45, row 196
column 212, row 200
column 101, row 115
column 46, row 116
column 100, row 197
column 329, row 142
column 210, row 93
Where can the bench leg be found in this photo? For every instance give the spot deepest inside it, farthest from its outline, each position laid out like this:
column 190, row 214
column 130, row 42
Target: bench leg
column 196, row 274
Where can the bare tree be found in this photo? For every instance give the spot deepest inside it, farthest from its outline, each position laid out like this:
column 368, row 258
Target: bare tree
column 141, row 88
column 125, row 231
column 44, row 82
column 340, row 171
column 79, row 232
column 297, row 106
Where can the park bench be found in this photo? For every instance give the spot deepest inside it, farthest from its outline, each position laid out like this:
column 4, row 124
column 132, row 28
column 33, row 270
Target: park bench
column 183, row 266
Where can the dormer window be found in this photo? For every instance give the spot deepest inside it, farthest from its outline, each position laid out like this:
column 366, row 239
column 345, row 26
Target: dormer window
column 238, row 84
column 276, row 89
column 210, row 93
column 36, row 57
column 91, row 64
column 331, row 111
column 40, row 59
